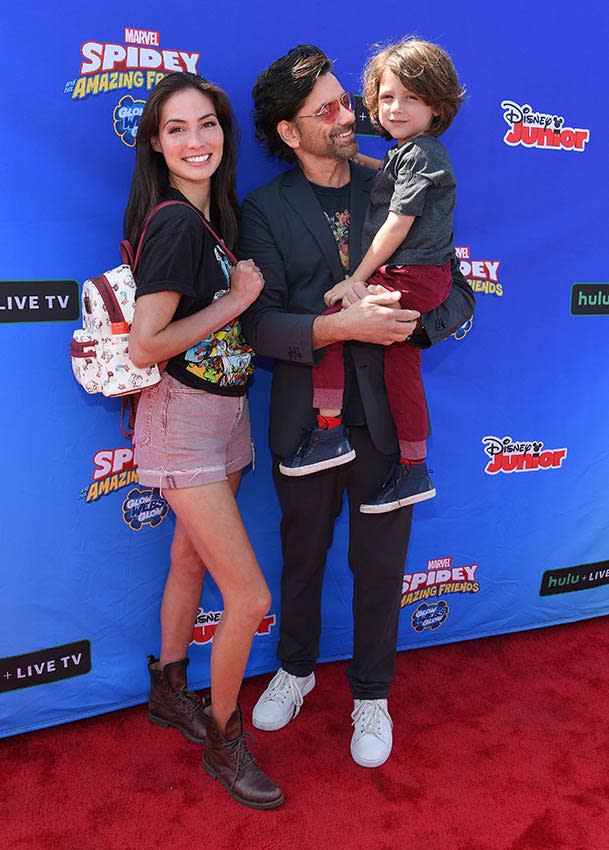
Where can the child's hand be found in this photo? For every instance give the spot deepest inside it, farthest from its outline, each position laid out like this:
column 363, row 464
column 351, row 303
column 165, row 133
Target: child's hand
column 336, row 293
column 367, row 161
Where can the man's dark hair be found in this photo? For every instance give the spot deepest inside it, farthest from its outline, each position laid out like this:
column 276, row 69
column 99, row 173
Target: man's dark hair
column 280, row 91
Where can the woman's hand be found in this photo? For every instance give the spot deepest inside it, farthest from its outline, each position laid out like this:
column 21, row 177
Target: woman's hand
column 246, row 282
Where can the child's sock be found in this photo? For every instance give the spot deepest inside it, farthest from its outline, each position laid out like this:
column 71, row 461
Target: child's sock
column 326, row 422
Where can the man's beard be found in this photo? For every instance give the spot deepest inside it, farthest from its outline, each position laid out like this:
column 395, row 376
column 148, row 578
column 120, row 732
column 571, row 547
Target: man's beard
column 329, row 146
column 344, row 148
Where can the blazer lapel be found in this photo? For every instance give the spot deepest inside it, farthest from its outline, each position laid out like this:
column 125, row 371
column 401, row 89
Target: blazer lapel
column 301, row 197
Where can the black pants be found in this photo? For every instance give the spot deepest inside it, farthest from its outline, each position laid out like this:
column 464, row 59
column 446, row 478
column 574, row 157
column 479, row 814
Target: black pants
column 377, row 551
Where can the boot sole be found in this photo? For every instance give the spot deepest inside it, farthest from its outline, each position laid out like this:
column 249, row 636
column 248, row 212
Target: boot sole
column 214, row 775
column 166, row 725
column 317, row 467
column 399, row 503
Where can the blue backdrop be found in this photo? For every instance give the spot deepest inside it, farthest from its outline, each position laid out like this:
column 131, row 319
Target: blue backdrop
column 518, row 535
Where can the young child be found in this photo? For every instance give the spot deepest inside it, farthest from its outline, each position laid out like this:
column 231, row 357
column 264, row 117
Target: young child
column 412, row 93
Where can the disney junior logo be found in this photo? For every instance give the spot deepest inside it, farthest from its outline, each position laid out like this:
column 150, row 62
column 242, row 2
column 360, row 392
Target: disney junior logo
column 507, row 455
column 144, row 507
column 540, row 129
column 126, row 115
column 207, row 622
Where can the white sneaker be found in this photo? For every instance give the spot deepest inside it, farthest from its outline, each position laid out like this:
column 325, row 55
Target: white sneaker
column 282, row 700
column 372, row 736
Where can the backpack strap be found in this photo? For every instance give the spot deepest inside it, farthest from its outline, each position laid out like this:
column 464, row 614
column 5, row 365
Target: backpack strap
column 126, row 252
column 147, row 221
column 128, row 410
column 118, row 323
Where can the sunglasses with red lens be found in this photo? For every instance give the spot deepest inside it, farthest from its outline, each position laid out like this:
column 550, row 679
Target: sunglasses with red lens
column 329, row 111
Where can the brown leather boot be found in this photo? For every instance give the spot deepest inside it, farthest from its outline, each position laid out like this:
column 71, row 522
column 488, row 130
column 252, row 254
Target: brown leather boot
column 228, row 759
column 171, row 704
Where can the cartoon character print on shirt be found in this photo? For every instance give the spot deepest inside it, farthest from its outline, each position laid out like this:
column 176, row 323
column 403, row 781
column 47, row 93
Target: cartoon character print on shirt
column 340, row 223
column 222, row 358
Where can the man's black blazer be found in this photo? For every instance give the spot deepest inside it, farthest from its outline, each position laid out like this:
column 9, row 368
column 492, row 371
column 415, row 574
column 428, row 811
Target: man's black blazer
column 284, row 230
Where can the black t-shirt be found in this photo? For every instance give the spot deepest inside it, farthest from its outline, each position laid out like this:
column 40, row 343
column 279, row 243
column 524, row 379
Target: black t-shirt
column 335, row 204
column 179, row 254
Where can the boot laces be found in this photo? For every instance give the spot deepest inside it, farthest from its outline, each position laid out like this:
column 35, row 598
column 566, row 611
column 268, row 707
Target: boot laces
column 393, row 476
column 187, row 701
column 307, row 436
column 240, row 754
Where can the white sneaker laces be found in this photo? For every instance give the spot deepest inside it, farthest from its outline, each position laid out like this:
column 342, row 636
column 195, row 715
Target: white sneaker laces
column 283, row 687
column 368, row 718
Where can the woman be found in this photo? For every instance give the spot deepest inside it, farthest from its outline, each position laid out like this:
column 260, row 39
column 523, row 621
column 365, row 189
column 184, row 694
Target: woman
column 192, row 429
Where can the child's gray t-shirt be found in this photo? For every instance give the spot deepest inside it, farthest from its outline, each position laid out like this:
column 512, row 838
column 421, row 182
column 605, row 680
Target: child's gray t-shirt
column 416, row 179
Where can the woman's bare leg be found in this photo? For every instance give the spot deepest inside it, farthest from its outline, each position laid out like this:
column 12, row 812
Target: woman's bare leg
column 181, row 597
column 210, row 518
column 182, row 592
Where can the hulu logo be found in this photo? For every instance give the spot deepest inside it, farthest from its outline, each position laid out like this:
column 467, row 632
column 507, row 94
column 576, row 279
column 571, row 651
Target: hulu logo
column 580, row 577
column 596, row 300
column 590, row 299
column 562, row 581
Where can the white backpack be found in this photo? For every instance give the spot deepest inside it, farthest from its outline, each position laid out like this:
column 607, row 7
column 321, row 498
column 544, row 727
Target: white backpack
column 99, row 352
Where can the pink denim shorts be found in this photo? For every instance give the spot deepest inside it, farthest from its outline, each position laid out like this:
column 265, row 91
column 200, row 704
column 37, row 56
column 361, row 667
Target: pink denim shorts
column 186, row 437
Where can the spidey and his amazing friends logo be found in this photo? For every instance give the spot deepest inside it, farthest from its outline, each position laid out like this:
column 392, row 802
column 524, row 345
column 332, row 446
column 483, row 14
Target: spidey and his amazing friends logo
column 426, row 587
column 139, row 63
column 114, row 469
column 136, row 65
column 481, row 275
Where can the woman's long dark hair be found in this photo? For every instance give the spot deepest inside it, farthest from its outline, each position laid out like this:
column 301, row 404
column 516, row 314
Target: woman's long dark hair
column 150, row 174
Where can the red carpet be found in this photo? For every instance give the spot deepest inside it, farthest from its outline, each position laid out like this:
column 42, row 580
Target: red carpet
column 501, row 744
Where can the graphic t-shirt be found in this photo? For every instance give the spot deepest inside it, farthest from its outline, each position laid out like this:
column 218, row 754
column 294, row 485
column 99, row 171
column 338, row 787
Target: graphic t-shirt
column 180, row 255
column 335, row 206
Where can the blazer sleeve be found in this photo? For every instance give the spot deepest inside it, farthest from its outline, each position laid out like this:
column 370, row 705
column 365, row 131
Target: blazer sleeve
column 450, row 315
column 270, row 328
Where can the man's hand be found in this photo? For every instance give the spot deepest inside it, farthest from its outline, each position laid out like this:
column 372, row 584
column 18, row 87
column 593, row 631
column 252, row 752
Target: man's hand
column 378, row 318
column 359, row 290
column 367, row 316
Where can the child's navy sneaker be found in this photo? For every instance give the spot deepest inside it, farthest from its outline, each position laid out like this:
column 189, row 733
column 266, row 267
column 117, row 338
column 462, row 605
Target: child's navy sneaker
column 321, row 448
column 405, row 485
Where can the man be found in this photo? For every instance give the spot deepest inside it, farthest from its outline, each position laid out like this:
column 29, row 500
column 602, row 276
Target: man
column 304, row 230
